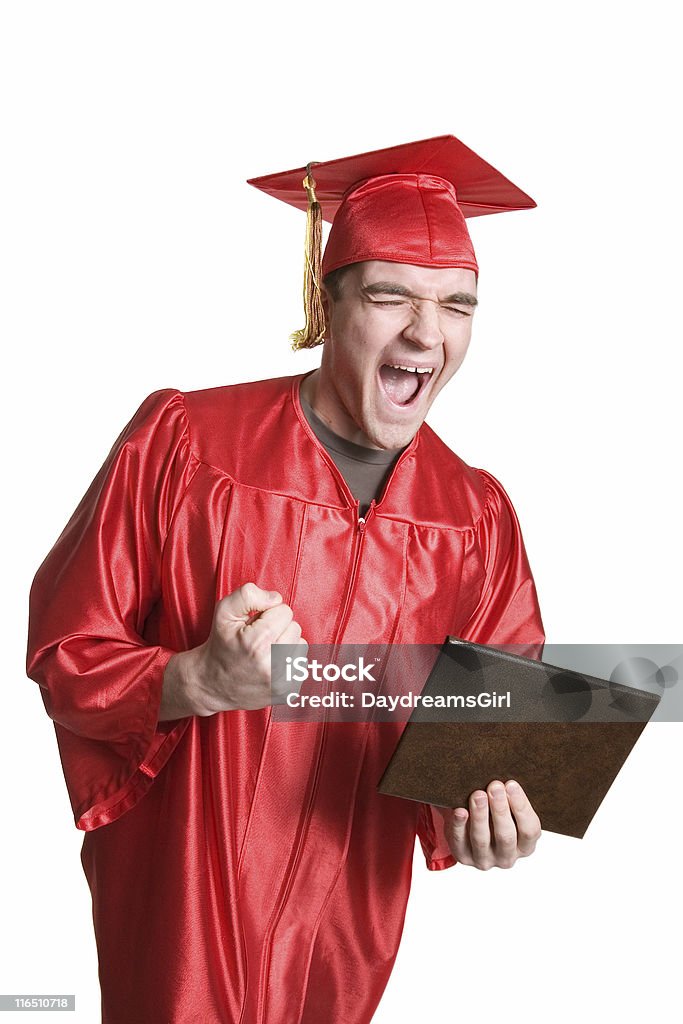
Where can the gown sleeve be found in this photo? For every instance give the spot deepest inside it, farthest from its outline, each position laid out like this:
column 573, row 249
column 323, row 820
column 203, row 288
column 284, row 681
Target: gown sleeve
column 507, row 613
column 100, row 679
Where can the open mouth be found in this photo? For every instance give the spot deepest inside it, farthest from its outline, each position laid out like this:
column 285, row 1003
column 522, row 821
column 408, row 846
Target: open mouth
column 403, row 384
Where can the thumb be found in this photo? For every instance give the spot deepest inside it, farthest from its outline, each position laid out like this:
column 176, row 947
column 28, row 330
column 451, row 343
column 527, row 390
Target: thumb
column 247, row 602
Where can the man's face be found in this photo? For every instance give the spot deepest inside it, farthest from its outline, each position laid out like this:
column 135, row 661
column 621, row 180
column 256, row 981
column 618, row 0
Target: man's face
column 396, row 334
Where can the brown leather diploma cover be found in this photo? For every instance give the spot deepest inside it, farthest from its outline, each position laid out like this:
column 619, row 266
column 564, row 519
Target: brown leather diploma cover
column 562, row 735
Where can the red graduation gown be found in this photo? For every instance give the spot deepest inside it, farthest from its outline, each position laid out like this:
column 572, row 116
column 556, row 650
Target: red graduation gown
column 245, row 870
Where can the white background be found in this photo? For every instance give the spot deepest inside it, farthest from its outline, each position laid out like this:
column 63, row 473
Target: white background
column 135, row 257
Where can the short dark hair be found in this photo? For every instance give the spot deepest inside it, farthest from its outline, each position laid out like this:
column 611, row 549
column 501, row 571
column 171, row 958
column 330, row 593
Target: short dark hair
column 332, row 282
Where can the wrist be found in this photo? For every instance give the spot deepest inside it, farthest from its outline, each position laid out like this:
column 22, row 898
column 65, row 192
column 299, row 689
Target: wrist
column 181, row 689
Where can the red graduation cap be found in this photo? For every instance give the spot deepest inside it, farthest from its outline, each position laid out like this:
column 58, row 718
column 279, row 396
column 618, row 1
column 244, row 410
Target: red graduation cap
column 405, row 204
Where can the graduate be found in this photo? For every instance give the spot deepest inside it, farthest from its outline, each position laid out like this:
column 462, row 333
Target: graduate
column 245, row 869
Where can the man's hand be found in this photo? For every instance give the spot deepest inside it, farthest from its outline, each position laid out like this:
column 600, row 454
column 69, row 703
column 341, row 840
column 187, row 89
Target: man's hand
column 231, row 670
column 500, row 827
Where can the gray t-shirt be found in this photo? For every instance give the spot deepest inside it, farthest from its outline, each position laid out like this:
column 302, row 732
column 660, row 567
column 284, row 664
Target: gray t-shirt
column 365, row 470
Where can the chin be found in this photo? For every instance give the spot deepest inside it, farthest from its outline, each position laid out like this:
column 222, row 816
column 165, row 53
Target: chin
column 393, row 436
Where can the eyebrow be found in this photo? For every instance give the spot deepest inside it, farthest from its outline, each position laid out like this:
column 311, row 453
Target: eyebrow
column 391, row 288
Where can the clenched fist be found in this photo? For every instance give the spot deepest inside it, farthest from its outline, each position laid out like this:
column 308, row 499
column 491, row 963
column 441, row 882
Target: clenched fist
column 230, row 671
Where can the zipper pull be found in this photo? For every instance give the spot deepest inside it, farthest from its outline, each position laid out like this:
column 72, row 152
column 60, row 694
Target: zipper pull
column 362, row 520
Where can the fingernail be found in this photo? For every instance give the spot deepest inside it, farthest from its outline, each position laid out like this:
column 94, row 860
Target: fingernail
column 480, row 800
column 512, row 786
column 497, row 789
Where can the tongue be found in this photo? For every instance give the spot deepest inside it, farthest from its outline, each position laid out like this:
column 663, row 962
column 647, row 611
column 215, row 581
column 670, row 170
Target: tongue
column 400, row 385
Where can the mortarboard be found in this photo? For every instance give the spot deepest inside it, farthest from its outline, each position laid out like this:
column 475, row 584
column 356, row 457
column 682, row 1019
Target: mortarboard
column 405, row 204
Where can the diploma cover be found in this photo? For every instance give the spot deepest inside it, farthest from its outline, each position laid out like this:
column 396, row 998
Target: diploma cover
column 564, row 736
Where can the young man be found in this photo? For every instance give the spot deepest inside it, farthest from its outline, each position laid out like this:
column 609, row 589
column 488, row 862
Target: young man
column 243, row 868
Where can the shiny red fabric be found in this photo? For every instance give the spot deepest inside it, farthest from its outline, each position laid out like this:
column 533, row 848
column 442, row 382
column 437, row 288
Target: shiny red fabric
column 481, row 189
column 241, row 869
column 402, row 218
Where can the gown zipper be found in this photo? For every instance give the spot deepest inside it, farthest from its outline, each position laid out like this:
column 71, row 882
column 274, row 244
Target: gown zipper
column 359, row 539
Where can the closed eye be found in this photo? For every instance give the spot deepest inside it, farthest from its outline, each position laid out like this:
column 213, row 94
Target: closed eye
column 401, row 301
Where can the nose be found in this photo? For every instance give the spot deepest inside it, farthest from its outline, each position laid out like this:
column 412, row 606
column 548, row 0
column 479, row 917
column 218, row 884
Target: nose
column 423, row 327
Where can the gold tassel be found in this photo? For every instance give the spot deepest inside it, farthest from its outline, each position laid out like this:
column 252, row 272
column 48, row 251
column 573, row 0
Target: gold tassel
column 314, row 332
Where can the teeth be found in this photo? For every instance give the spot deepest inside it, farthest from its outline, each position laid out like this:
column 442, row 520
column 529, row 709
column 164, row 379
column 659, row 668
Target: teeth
column 412, row 369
